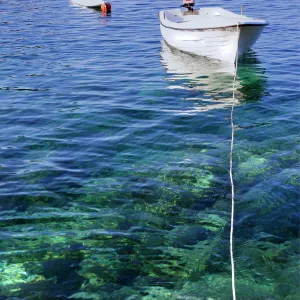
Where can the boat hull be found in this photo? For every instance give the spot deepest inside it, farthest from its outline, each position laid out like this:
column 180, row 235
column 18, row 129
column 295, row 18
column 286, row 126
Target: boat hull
column 216, row 43
column 249, row 34
column 212, row 32
column 89, row 3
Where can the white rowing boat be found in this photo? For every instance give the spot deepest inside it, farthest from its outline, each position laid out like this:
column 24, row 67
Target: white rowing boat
column 212, row 32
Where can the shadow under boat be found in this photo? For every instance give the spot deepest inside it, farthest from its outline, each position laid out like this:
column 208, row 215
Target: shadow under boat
column 210, row 82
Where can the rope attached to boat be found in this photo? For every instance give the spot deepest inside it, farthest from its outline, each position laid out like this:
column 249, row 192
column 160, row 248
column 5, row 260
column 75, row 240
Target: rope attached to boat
column 230, row 171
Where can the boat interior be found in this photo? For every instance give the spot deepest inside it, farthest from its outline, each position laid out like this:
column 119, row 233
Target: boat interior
column 207, row 17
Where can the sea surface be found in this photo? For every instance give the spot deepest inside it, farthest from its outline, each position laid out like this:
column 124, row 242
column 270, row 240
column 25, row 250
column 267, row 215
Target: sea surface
column 114, row 157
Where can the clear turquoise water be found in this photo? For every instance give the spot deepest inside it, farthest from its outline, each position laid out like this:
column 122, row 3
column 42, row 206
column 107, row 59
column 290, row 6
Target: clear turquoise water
column 114, row 160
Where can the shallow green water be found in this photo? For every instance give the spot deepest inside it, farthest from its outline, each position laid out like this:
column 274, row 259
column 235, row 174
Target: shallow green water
column 114, row 161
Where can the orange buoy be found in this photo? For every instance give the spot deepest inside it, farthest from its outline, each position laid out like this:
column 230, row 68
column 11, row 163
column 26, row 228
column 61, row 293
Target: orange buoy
column 106, row 7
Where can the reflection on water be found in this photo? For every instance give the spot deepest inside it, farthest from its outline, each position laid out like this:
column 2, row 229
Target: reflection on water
column 211, row 81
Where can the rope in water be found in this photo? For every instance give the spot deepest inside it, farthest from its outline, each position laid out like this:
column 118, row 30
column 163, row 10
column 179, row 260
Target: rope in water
column 230, row 171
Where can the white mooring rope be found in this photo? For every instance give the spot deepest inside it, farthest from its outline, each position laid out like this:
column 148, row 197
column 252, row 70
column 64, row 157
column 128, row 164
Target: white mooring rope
column 231, row 176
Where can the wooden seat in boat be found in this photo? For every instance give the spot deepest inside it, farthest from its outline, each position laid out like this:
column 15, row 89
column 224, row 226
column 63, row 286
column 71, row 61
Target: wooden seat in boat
column 188, row 13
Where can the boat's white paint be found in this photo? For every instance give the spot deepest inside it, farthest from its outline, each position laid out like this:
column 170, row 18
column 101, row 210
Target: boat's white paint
column 88, row 3
column 212, row 33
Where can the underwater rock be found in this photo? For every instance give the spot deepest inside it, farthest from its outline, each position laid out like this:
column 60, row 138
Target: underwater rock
column 289, row 157
column 98, row 269
column 85, row 295
column 185, row 235
column 166, row 268
column 102, row 199
column 264, row 255
column 158, row 292
column 254, row 166
column 271, row 260
column 272, row 193
column 212, row 222
column 164, row 205
column 271, row 205
column 192, row 178
column 14, row 276
column 287, row 283
column 291, row 176
column 141, row 218
column 127, row 293
column 186, row 263
column 218, row 286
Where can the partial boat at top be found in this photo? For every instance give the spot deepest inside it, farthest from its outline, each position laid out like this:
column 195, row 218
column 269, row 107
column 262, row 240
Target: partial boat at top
column 89, row 3
column 212, row 32
column 96, row 4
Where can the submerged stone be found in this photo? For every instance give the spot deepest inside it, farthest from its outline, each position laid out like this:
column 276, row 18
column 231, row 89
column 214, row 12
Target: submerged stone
column 158, row 293
column 211, row 222
column 182, row 236
column 189, row 178
column 13, row 278
column 251, row 168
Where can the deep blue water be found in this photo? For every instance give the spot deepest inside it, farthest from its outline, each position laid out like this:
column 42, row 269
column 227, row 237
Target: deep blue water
column 114, row 160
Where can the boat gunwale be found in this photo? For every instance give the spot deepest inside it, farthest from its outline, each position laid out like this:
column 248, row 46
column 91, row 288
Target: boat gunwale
column 213, row 28
column 251, row 22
